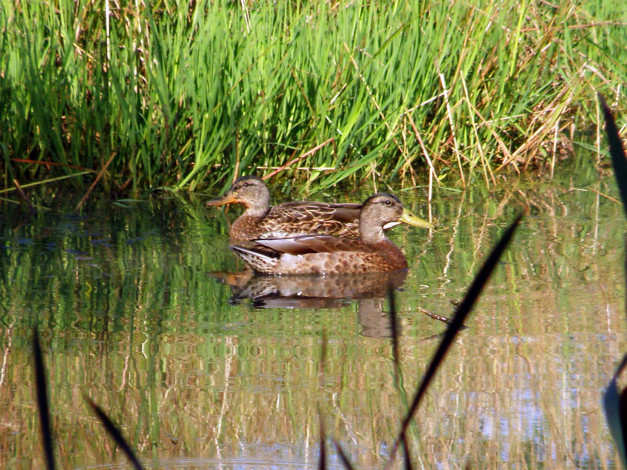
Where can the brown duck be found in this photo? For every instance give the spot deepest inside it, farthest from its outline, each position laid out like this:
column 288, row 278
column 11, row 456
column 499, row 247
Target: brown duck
column 260, row 221
column 325, row 254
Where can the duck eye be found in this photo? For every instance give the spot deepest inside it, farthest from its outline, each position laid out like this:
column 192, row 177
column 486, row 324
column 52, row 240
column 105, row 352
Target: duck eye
column 245, row 185
column 387, row 202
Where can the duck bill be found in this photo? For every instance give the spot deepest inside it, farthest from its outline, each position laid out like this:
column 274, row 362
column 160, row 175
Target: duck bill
column 411, row 219
column 228, row 198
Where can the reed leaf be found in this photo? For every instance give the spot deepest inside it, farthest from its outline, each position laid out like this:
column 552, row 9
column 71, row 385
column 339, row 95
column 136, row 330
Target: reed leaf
column 457, row 323
column 617, row 152
column 43, row 402
column 343, row 457
column 322, row 464
column 406, row 454
column 395, row 335
column 615, row 401
column 115, row 433
column 615, row 407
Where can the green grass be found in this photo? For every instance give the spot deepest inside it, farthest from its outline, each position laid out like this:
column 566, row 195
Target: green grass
column 183, row 96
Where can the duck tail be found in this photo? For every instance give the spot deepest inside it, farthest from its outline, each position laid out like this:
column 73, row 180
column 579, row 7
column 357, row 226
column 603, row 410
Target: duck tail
column 260, row 261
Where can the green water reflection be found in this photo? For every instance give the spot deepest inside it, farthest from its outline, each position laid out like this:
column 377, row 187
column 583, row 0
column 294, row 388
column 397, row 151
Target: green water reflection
column 132, row 313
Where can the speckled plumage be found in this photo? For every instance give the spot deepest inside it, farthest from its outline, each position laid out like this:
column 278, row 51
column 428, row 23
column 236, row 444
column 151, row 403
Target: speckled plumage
column 325, row 254
column 291, row 219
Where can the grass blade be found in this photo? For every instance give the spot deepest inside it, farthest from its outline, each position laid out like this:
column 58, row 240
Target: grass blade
column 42, row 401
column 395, row 335
column 23, row 197
column 614, row 406
column 322, row 465
column 115, row 433
column 343, row 456
column 408, row 465
column 615, row 401
column 456, row 325
column 619, row 161
column 323, row 358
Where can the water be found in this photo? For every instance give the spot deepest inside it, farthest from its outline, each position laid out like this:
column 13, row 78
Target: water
column 205, row 370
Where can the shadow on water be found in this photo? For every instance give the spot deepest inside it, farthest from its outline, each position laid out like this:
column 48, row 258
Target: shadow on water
column 132, row 316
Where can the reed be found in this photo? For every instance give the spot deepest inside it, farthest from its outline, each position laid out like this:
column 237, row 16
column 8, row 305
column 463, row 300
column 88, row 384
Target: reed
column 615, row 397
column 455, row 326
column 184, row 96
column 115, row 433
column 43, row 403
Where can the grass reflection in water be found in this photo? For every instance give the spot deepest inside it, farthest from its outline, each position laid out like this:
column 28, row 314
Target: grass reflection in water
column 139, row 324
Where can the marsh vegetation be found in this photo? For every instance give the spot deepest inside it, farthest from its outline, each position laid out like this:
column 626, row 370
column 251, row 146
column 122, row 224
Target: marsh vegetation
column 185, row 95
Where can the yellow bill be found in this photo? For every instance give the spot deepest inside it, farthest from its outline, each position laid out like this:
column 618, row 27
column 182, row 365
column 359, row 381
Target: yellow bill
column 411, row 219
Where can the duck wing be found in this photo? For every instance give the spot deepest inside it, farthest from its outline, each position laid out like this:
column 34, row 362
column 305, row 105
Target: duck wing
column 303, row 217
column 312, row 244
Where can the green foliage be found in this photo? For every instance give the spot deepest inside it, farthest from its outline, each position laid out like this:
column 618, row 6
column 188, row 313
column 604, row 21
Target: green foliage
column 179, row 95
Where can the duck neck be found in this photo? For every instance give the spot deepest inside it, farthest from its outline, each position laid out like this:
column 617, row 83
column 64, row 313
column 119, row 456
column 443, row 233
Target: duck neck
column 258, row 207
column 371, row 234
column 374, row 236
column 246, row 226
column 256, row 211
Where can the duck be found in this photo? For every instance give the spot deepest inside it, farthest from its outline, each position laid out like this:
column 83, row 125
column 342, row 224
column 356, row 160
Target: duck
column 288, row 220
column 328, row 254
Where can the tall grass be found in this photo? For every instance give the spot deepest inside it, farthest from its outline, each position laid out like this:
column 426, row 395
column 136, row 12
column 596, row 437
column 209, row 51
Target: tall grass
column 180, row 95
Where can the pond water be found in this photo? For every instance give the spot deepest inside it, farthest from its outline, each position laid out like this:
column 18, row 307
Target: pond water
column 139, row 307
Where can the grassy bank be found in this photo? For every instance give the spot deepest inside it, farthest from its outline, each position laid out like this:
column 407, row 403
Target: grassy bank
column 184, row 95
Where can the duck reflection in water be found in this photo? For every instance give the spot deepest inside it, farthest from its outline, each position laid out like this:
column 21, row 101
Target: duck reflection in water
column 370, row 290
